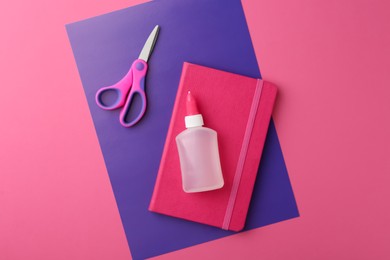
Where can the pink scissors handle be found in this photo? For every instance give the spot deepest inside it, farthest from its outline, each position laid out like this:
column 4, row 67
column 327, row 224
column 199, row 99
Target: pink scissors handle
column 132, row 84
column 139, row 69
column 118, row 91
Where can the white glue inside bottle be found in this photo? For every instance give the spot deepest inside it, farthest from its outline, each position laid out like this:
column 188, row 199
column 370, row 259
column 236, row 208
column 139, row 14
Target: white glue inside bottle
column 198, row 151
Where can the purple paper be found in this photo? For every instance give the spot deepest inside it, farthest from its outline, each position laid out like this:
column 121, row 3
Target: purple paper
column 204, row 32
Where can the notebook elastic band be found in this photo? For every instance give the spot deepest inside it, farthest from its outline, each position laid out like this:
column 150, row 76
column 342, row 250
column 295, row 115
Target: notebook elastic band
column 243, row 153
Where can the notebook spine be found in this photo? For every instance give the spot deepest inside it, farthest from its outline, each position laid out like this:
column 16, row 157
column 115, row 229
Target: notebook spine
column 154, row 203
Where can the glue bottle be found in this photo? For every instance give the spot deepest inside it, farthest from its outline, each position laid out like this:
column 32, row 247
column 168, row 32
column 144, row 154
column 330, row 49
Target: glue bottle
column 198, row 152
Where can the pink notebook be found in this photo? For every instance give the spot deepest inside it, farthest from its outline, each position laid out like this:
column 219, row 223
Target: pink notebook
column 239, row 108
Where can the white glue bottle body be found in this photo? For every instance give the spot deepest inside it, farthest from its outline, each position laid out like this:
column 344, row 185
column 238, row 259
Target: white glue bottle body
column 198, row 152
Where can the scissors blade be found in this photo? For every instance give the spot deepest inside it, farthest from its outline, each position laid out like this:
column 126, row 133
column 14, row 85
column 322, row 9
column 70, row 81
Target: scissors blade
column 149, row 44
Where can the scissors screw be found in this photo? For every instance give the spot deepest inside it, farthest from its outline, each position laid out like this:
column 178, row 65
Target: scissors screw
column 139, row 66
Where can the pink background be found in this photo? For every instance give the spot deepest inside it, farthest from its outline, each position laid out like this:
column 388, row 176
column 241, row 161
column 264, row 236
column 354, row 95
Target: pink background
column 331, row 60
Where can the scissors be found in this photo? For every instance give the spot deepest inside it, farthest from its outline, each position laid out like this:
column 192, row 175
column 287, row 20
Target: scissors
column 133, row 83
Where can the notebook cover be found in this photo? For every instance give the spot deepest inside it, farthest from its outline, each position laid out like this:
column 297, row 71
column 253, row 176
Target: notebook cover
column 225, row 100
column 198, row 31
